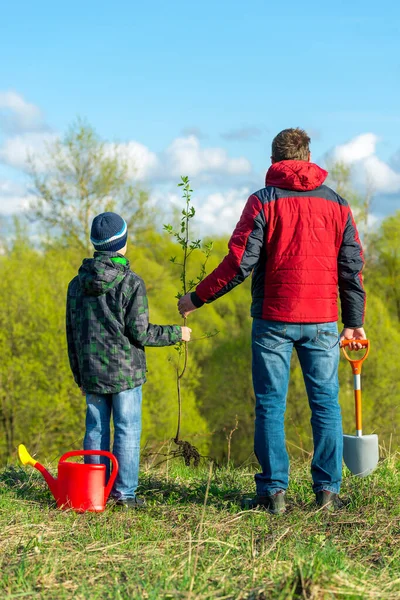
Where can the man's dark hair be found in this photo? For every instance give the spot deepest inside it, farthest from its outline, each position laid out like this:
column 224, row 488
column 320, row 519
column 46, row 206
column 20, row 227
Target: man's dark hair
column 291, row 144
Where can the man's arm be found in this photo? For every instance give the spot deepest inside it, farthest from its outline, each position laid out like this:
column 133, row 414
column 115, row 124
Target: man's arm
column 72, row 355
column 351, row 289
column 137, row 326
column 244, row 252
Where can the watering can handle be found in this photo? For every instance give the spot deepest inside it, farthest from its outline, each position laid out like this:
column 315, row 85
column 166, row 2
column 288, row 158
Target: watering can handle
column 114, row 461
column 356, row 363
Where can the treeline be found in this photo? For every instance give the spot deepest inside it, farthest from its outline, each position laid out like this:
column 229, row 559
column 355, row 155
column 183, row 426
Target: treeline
column 40, row 404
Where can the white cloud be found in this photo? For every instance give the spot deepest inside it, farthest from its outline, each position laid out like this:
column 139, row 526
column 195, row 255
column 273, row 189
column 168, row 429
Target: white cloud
column 356, row 149
column 14, row 197
column 17, row 115
column 140, row 160
column 166, row 198
column 221, row 211
column 216, row 213
column 186, row 157
column 368, row 170
column 380, row 176
column 16, row 149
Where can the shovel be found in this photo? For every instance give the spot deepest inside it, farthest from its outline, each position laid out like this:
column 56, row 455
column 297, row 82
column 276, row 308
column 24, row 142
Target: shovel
column 360, row 452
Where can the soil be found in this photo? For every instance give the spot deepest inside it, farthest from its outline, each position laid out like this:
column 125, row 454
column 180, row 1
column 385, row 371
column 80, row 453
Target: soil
column 188, row 452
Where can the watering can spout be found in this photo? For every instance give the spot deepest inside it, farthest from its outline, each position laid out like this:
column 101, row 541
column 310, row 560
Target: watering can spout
column 27, row 459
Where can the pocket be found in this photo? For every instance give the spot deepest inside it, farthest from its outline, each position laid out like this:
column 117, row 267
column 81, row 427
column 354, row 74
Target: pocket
column 270, row 334
column 327, row 336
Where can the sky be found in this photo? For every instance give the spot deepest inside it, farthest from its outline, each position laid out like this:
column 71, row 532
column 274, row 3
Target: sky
column 200, row 89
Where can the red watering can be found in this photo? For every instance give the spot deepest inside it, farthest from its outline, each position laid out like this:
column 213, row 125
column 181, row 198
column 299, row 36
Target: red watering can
column 78, row 487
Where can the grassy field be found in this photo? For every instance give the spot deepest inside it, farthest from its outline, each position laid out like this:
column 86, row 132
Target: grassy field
column 194, row 541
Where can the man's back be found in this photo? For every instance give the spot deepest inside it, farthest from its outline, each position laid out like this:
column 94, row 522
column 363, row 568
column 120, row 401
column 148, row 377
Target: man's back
column 299, row 237
column 296, row 278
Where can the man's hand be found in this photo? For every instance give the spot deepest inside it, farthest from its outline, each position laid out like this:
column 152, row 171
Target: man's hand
column 353, row 334
column 82, row 391
column 186, row 306
column 186, row 331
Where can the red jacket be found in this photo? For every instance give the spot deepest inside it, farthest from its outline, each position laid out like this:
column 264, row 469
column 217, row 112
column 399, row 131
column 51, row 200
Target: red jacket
column 300, row 240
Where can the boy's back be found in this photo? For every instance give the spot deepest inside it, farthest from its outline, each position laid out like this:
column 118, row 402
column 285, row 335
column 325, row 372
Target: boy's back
column 107, row 325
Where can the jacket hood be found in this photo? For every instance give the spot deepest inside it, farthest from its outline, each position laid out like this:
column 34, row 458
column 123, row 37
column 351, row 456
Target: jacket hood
column 298, row 175
column 100, row 274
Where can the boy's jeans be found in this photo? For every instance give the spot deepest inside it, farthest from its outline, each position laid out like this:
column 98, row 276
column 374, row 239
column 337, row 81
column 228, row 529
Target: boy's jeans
column 317, row 347
column 126, row 408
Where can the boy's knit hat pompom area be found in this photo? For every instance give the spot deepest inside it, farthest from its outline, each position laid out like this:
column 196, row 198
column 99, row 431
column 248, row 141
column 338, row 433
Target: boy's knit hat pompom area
column 109, row 232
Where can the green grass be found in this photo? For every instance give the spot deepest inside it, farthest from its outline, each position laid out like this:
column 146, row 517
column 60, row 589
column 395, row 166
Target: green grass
column 180, row 547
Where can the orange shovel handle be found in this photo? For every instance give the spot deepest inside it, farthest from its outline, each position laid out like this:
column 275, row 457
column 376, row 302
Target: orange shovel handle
column 356, row 363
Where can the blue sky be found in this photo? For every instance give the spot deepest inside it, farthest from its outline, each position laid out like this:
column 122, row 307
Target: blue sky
column 223, row 75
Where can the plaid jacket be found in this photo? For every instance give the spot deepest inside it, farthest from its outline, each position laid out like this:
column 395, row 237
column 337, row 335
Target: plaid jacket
column 108, row 326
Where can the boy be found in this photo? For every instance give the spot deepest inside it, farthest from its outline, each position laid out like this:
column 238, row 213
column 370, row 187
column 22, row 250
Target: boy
column 107, row 329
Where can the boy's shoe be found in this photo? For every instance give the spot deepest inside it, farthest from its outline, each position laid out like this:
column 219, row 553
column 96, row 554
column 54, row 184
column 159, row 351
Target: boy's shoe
column 275, row 503
column 130, row 502
column 329, row 500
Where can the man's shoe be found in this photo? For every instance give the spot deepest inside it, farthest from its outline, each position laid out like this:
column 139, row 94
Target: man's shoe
column 275, row 503
column 130, row 502
column 329, row 500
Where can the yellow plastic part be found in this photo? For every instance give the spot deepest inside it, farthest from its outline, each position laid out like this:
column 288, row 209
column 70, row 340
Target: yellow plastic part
column 25, row 457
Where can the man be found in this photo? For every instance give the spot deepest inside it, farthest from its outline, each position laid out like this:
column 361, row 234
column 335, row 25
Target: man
column 300, row 240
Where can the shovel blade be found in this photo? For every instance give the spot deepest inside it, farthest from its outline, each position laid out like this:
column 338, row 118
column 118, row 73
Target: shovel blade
column 361, row 454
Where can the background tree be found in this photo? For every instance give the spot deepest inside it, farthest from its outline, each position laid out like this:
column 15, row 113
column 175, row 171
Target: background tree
column 38, row 399
column 79, row 177
column 385, row 261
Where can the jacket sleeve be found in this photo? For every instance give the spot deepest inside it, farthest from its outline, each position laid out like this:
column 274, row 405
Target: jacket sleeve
column 244, row 252
column 137, row 326
column 72, row 354
column 350, row 265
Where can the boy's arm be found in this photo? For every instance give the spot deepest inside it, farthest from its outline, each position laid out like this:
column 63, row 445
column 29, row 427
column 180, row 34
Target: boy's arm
column 350, row 265
column 244, row 246
column 73, row 359
column 137, row 326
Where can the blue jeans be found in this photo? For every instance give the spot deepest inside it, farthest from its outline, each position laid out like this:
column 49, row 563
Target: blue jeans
column 126, row 408
column 317, row 346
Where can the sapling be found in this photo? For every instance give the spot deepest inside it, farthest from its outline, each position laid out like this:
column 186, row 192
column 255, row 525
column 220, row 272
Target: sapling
column 187, row 248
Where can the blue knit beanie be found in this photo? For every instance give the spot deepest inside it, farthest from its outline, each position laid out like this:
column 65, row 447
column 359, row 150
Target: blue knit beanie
column 109, row 232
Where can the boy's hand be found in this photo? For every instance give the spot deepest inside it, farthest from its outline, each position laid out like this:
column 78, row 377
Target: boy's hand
column 186, row 331
column 185, row 305
column 353, row 334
